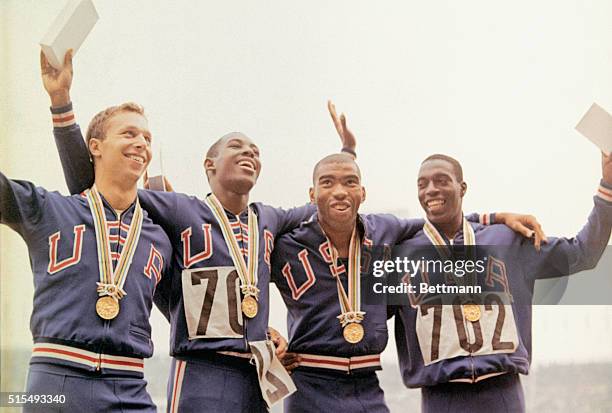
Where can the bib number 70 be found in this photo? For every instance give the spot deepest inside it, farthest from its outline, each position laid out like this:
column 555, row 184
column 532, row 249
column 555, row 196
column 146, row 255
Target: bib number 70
column 211, row 299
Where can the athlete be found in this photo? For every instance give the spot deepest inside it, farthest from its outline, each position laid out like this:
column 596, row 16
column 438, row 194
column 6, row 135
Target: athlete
column 467, row 357
column 96, row 259
column 335, row 335
column 217, row 298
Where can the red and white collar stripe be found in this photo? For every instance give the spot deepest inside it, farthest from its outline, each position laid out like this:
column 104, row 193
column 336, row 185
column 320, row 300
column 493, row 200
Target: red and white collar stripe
column 345, row 364
column 87, row 358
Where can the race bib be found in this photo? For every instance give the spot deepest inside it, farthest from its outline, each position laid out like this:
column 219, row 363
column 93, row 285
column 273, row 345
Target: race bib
column 211, row 299
column 444, row 332
column 274, row 381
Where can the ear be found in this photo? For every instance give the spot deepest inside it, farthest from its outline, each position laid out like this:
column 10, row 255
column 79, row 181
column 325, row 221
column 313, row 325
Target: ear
column 463, row 189
column 209, row 165
column 363, row 194
column 94, row 147
column 311, row 193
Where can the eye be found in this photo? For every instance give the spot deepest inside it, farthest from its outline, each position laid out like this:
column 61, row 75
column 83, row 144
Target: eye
column 325, row 182
column 352, row 182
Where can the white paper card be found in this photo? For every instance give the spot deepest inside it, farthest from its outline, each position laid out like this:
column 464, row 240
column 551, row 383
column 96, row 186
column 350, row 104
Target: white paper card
column 596, row 125
column 69, row 30
column 274, row 381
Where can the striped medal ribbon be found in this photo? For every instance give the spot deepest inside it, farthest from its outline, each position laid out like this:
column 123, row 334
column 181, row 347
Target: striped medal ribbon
column 350, row 304
column 247, row 274
column 110, row 286
column 471, row 310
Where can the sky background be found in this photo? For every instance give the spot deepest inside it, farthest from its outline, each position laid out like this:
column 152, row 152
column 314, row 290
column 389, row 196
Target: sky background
column 498, row 85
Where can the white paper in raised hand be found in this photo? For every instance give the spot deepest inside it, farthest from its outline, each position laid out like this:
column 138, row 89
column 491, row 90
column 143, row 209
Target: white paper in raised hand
column 69, row 30
column 596, row 125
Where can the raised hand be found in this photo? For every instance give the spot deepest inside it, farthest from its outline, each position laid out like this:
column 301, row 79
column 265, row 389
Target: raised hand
column 346, row 136
column 57, row 82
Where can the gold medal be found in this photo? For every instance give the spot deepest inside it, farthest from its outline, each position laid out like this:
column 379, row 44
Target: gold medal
column 107, row 307
column 353, row 332
column 471, row 312
column 249, row 306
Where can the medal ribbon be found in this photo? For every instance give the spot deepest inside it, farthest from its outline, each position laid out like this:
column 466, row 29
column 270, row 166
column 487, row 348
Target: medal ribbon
column 438, row 241
column 247, row 274
column 469, row 238
column 112, row 281
column 350, row 303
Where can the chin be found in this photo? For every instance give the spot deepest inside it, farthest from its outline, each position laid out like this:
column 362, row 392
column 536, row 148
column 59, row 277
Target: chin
column 242, row 186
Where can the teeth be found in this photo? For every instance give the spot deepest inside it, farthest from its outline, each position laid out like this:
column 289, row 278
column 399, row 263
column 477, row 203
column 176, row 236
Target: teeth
column 136, row 158
column 436, row 202
column 247, row 164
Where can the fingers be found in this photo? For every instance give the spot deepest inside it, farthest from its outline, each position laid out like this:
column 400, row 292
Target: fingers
column 68, row 60
column 45, row 66
column 281, row 346
column 343, row 121
column 290, row 361
column 332, row 112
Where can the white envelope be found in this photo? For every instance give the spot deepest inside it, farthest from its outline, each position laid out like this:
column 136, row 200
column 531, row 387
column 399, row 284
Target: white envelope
column 69, row 30
column 596, row 125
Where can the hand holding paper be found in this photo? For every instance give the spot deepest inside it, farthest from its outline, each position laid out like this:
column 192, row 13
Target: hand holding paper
column 69, row 30
column 57, row 82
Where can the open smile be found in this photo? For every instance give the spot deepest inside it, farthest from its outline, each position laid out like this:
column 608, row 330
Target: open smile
column 136, row 158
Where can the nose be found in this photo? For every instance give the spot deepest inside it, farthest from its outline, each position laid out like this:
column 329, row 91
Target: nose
column 140, row 141
column 248, row 151
column 431, row 189
column 339, row 191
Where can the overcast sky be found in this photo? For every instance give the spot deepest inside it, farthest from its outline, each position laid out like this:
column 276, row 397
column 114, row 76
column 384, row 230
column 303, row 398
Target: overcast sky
column 499, row 85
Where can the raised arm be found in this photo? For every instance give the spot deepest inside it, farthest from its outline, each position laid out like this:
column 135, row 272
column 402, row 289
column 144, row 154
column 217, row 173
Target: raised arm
column 564, row 256
column 74, row 156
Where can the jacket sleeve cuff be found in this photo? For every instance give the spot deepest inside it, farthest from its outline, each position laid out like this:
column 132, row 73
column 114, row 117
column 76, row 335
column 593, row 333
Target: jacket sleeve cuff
column 487, row 219
column 63, row 116
column 604, row 192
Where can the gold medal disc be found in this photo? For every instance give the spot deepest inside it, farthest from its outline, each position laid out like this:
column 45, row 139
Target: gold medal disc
column 471, row 312
column 249, row 306
column 353, row 333
column 107, row 307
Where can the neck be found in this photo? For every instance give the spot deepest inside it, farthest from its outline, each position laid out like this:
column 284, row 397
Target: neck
column 232, row 201
column 450, row 229
column 339, row 237
column 119, row 195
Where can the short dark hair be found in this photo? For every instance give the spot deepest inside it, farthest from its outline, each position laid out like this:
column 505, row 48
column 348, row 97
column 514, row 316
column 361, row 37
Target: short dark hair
column 455, row 163
column 214, row 148
column 335, row 158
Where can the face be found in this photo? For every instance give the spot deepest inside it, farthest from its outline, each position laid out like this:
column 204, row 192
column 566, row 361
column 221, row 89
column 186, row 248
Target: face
column 126, row 147
column 440, row 192
column 236, row 166
column 337, row 193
